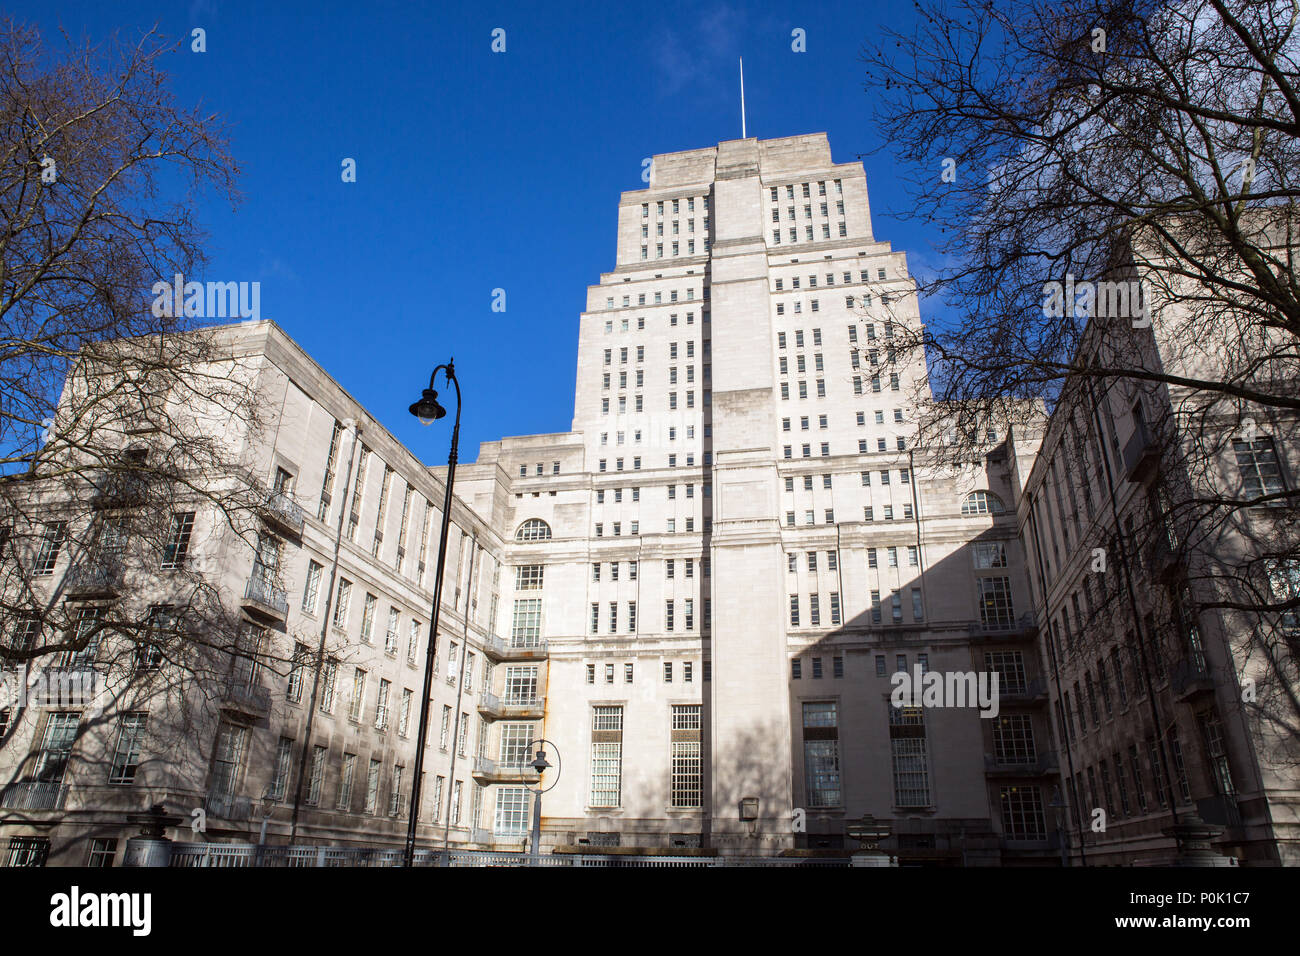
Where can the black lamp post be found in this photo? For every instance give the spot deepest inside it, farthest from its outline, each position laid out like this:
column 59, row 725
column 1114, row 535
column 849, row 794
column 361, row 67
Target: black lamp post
column 540, row 765
column 427, row 410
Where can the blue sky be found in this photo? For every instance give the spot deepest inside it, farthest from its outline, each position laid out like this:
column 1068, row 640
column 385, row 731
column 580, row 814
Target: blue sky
column 456, row 148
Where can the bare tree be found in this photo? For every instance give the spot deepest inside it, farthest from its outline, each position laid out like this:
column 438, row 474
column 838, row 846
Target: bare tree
column 120, row 421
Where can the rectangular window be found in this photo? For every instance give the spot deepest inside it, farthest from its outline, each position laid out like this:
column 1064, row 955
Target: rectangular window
column 526, row 629
column 53, row 536
column 606, row 756
column 909, row 756
column 311, row 590
column 821, row 753
column 178, row 540
column 996, row 610
column 687, row 766
column 126, row 756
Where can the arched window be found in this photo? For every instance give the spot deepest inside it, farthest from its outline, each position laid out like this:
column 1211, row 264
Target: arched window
column 982, row 503
column 534, row 529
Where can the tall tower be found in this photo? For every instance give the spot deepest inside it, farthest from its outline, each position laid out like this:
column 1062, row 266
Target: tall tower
column 723, row 353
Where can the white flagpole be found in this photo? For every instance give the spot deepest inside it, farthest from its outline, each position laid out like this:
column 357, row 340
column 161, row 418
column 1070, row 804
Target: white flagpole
column 742, row 99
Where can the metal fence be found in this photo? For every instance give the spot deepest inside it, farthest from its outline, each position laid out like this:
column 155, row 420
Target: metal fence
column 233, row 855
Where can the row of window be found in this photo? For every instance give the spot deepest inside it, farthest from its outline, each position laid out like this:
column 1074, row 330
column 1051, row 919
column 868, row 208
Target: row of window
column 814, row 610
column 658, row 296
column 669, row 669
column 823, row 211
column 111, row 537
column 909, row 755
column 793, row 233
column 686, row 771
column 823, row 420
column 846, row 278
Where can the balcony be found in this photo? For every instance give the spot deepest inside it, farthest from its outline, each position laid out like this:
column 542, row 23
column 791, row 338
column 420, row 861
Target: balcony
column 113, row 489
column 227, row 806
column 1022, row 628
column 1190, row 678
column 1045, row 764
column 1031, row 692
column 33, row 795
column 1141, row 454
column 500, row 650
column 493, row 707
column 1220, row 810
column 100, row 578
column 251, row 700
column 1164, row 561
column 262, row 599
column 487, row 770
column 280, row 509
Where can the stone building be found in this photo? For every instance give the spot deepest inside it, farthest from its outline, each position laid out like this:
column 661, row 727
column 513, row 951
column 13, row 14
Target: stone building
column 700, row 595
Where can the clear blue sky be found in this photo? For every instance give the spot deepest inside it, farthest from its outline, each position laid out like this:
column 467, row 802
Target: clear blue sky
column 456, row 148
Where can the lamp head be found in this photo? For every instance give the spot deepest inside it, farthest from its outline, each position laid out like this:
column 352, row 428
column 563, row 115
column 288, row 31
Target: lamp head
column 540, row 763
column 427, row 409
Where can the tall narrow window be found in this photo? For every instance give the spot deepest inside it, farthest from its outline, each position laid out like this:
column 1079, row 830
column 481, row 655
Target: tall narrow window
column 909, row 755
column 821, row 753
column 606, row 756
column 126, row 756
column 327, row 486
column 178, row 540
column 687, row 769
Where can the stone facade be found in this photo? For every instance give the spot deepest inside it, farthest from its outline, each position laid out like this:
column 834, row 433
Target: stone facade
column 699, row 595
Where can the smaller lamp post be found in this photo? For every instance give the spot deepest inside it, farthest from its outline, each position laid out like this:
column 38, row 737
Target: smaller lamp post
column 541, row 765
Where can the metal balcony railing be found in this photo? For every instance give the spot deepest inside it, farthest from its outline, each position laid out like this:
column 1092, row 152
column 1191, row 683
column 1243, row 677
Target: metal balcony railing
column 264, row 597
column 246, row 698
column 1043, row 763
column 501, row 650
column 99, row 577
column 1191, row 676
column 281, row 508
column 228, row 806
column 33, row 795
column 1141, row 453
column 493, row 705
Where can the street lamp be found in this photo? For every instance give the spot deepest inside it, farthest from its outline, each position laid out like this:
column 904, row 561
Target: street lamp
column 541, row 765
column 427, row 410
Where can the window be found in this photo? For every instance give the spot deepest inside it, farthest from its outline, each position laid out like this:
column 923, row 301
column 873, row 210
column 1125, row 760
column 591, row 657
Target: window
column 982, row 503
column 1258, row 467
column 687, row 768
column 178, row 540
column 534, row 529
column 529, row 577
column 1022, row 812
column 526, row 628
column 606, row 756
column 989, row 554
column 103, row 850
column 996, row 609
column 909, row 756
column 821, row 753
column 311, row 590
column 227, row 758
column 341, row 603
column 53, row 537
column 126, row 756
